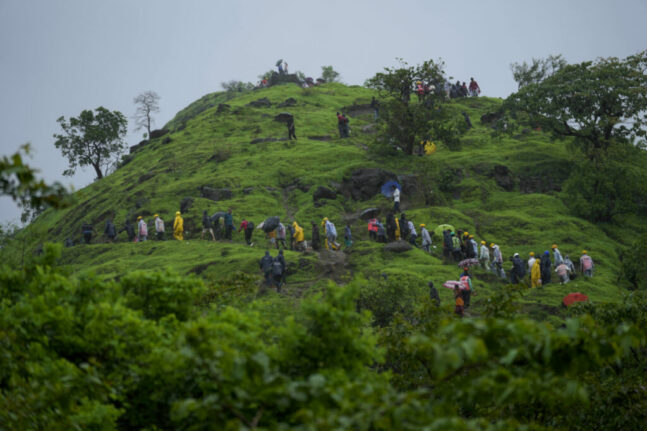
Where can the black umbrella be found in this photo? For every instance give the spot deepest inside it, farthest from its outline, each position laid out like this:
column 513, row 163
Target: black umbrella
column 271, row 223
column 279, row 62
column 369, row 213
column 217, row 216
column 284, row 117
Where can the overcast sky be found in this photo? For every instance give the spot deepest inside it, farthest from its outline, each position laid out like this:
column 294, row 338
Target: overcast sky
column 59, row 57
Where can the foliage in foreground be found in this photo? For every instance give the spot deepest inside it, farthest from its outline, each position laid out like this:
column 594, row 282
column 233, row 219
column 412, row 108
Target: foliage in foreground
column 87, row 354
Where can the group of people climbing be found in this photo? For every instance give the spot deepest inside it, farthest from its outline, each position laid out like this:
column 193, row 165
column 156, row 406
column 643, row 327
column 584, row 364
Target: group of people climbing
column 456, row 90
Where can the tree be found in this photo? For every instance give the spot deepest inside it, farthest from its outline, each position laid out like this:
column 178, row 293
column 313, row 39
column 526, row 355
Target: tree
column 237, row 86
column 407, row 124
column 536, row 72
column 147, row 104
column 329, row 74
column 93, row 138
column 600, row 106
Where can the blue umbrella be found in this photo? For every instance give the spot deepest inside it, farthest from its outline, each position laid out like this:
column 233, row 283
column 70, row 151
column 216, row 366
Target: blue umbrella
column 387, row 188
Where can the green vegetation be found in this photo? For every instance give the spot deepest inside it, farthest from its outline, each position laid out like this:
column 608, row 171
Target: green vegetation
column 182, row 335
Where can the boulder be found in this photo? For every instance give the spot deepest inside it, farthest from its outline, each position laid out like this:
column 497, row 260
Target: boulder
column 276, row 79
column 186, row 204
column 365, row 183
column 223, row 107
column 291, row 101
column 261, row 103
column 410, row 184
column 138, row 146
column 216, row 194
column 167, row 140
column 323, row 193
column 158, row 133
column 503, row 177
column 398, row 246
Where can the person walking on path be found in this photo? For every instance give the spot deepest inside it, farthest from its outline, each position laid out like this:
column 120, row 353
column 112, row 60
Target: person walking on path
column 265, row 264
column 396, row 199
column 229, row 224
column 545, row 268
column 110, row 231
column 531, row 261
column 557, row 256
column 586, row 264
column 459, row 307
column 456, row 247
column 206, row 225
column 299, row 237
column 87, row 230
column 484, row 255
column 466, row 281
column 159, row 227
column 562, row 271
column 433, row 293
column 316, row 238
column 518, row 269
column 291, row 129
column 535, row 274
column 372, row 229
column 142, row 229
column 348, row 237
column 178, row 227
column 497, row 261
column 280, row 235
column 426, row 238
column 130, row 231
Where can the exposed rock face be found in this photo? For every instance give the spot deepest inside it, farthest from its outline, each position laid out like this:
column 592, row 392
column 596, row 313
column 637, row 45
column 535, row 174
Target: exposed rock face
column 222, row 108
column 138, row 146
column 276, row 79
column 323, row 193
column 158, row 133
column 291, row 101
column 186, row 204
column 216, row 194
column 365, row 183
column 503, row 177
column 261, row 103
column 398, row 246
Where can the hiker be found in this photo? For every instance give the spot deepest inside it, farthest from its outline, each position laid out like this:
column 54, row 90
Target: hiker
column 463, row 90
column 464, row 238
column 281, row 259
column 531, row 261
column 413, row 235
column 426, row 238
column 340, row 125
column 280, row 67
column 215, row 224
column 447, row 244
column 557, row 256
column 271, row 239
column 298, row 237
column 289, row 235
column 130, row 231
column 433, row 293
column 420, row 91
column 398, row 231
column 285, row 67
column 348, row 237
column 518, row 269
column 484, row 255
column 249, row 231
column 110, row 231
column 265, row 263
column 474, row 89
column 291, row 128
column 159, row 227
column 571, row 268
column 331, row 234
column 142, row 229
column 206, row 226
column 381, row 232
column 276, row 270
column 396, row 199
column 316, row 239
column 471, row 249
column 372, row 229
column 280, row 235
column 390, row 227
column 466, row 281
column 456, row 247
column 376, row 108
column 404, row 227
column 458, row 300
column 545, row 268
column 178, row 227
column 586, row 264
column 535, row 274
column 229, row 224
column 562, row 271
column 345, row 125
column 87, row 230
column 497, row 261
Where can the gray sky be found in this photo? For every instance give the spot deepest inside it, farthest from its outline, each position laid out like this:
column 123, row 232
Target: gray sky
column 58, row 57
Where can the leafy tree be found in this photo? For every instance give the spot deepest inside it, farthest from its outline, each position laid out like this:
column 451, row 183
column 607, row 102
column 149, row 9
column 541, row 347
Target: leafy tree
column 93, row 138
column 329, row 74
column 540, row 69
column 234, row 86
column 407, row 124
column 147, row 104
column 601, row 107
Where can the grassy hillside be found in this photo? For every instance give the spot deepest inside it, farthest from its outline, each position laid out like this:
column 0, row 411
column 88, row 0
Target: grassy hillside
column 503, row 189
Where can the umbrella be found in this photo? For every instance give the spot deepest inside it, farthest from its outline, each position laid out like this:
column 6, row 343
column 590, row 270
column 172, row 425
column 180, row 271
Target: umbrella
column 572, row 298
column 387, row 188
column 271, row 223
column 217, row 216
column 468, row 262
column 451, row 284
column 369, row 213
column 279, row 62
column 284, row 117
column 438, row 231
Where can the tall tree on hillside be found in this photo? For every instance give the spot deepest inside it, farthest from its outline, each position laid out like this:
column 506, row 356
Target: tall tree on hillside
column 601, row 107
column 147, row 104
column 538, row 70
column 93, row 138
column 407, row 124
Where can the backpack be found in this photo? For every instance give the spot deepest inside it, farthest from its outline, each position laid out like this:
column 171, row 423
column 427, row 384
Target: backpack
column 277, row 268
column 250, row 226
column 465, row 281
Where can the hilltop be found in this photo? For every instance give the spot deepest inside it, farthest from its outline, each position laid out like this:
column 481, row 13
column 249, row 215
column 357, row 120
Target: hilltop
column 226, row 151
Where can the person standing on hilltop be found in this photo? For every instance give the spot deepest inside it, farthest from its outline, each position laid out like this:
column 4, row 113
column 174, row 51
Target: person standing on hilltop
column 396, row 199
column 178, row 227
column 474, row 88
column 159, row 227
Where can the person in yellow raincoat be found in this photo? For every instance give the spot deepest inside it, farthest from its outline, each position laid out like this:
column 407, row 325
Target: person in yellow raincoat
column 178, row 227
column 397, row 229
column 535, row 274
column 299, row 237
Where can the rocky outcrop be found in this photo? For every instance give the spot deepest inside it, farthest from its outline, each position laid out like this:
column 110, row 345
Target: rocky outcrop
column 323, row 193
column 277, row 79
column 365, row 183
column 158, row 133
column 261, row 103
column 398, row 246
column 503, row 177
column 223, row 108
column 291, row 101
column 216, row 194
column 139, row 146
column 186, row 204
